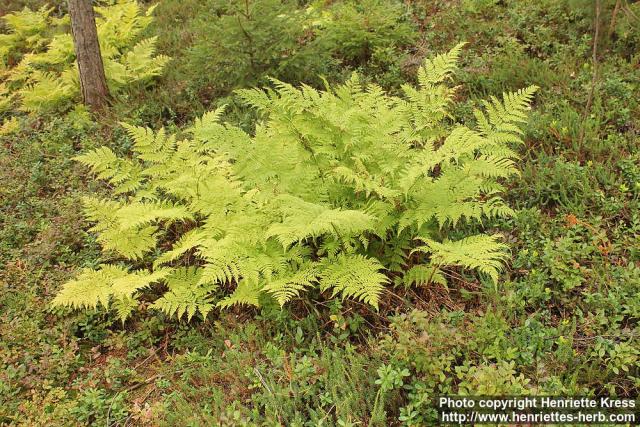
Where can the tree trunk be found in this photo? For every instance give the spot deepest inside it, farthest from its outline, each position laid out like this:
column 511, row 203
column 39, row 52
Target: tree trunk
column 93, row 83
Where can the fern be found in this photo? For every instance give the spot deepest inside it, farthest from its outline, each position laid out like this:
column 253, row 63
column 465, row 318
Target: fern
column 126, row 286
column 424, row 275
column 90, row 288
column 187, row 242
column 283, row 289
column 124, row 306
column 307, row 220
column 484, row 253
column 10, row 126
column 125, row 175
column 246, row 293
column 45, row 77
column 185, row 295
column 131, row 243
column 5, row 98
column 44, row 90
column 332, row 192
column 354, row 276
column 137, row 214
column 27, row 30
column 140, row 62
column 439, row 68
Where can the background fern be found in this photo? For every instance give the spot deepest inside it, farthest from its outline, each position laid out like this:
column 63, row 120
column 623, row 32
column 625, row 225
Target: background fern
column 45, row 77
column 563, row 318
column 334, row 189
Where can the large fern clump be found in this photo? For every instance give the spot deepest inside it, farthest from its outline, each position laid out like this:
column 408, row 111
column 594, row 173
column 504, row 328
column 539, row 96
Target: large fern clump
column 346, row 190
column 38, row 70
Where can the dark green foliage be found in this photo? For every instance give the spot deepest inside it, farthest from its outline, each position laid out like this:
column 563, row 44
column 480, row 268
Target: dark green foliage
column 226, row 45
column 240, row 43
column 358, row 31
column 562, row 320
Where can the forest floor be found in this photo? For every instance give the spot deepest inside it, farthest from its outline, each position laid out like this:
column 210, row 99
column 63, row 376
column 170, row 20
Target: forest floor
column 563, row 319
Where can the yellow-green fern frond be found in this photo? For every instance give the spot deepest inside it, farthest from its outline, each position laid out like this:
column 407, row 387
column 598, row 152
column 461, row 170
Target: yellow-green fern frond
column 132, row 242
column 124, row 306
column 423, row 275
column 45, row 91
column 256, row 98
column 354, row 276
column 481, row 252
column 90, row 288
column 141, row 63
column 129, row 284
column 289, row 286
column 502, row 119
column 152, row 147
column 185, row 295
column 10, row 126
column 190, row 240
column 60, row 50
column 207, row 125
column 138, row 214
column 303, row 220
column 119, row 25
column 27, row 26
column 437, row 69
column 124, row 174
column 246, row 293
column 5, row 98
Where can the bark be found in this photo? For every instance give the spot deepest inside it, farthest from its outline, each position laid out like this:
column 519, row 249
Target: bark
column 93, row 83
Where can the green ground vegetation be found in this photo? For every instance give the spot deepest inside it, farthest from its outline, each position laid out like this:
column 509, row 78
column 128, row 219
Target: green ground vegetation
column 562, row 318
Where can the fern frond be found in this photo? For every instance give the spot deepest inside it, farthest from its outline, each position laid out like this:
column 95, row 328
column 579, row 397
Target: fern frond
column 481, row 252
column 124, row 306
column 119, row 25
column 140, row 62
column 28, row 26
column 285, row 288
column 131, row 242
column 190, row 240
column 304, row 220
column 423, row 275
column 500, row 124
column 59, row 51
column 439, row 68
column 491, row 167
column 99, row 160
column 365, row 184
column 137, row 214
column 10, row 126
column 90, row 288
column 256, row 98
column 44, row 91
column 185, row 295
column 125, row 175
column 354, row 276
column 126, row 286
column 207, row 125
column 150, row 146
column 246, row 293
column 6, row 98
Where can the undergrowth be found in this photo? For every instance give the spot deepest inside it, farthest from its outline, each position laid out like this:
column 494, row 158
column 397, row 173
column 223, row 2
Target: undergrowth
column 560, row 320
